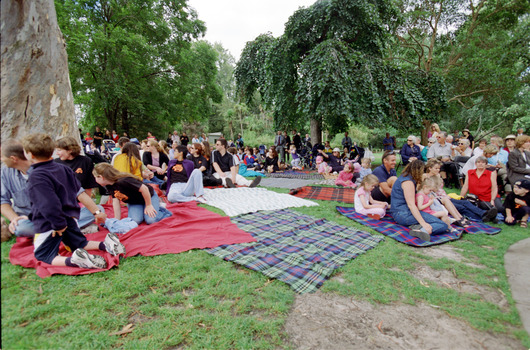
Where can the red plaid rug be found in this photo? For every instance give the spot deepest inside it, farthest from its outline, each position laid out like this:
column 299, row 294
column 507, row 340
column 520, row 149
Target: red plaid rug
column 338, row 194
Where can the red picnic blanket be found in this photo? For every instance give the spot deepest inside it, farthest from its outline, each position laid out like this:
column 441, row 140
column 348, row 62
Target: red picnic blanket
column 338, row 194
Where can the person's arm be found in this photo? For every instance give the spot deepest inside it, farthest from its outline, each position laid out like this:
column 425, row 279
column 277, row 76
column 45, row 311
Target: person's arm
column 509, row 218
column 430, row 152
column 494, row 188
column 12, row 216
column 149, row 209
column 218, row 170
column 421, row 205
column 513, row 163
column 409, row 193
column 465, row 187
column 385, row 189
column 324, row 154
column 117, row 208
column 85, row 199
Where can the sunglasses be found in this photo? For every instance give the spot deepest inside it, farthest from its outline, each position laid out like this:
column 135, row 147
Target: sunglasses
column 461, row 144
column 410, row 140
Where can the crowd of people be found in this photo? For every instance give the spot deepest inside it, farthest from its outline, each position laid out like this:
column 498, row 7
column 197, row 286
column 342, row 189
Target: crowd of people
column 52, row 183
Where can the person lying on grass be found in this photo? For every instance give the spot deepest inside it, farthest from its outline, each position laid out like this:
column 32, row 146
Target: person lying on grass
column 142, row 201
column 364, row 203
column 184, row 183
column 52, row 190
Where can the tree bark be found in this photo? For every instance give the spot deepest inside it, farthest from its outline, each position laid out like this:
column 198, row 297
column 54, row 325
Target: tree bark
column 36, row 92
column 316, row 131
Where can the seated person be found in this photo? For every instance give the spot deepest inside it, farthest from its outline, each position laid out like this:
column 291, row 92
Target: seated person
column 223, row 164
column 184, row 183
column 15, row 204
column 410, row 151
column 333, row 159
column 443, row 150
column 357, row 153
column 272, row 161
column 201, row 161
column 517, row 204
column 155, row 159
column 386, row 174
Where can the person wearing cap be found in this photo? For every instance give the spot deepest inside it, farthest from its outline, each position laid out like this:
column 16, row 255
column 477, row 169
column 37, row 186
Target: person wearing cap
column 410, row 151
column 333, row 159
column 466, row 134
column 509, row 143
column 517, row 204
column 519, row 160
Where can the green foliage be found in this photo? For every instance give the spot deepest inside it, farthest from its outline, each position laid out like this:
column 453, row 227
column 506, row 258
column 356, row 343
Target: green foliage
column 328, row 66
column 133, row 65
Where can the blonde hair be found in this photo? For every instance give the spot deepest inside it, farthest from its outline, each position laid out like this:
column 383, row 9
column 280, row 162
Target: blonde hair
column 366, row 161
column 155, row 145
column 109, row 172
column 369, row 179
column 519, row 140
column 434, row 182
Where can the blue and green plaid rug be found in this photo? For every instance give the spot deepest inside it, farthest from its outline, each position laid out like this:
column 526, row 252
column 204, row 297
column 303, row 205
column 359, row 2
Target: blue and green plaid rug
column 300, row 250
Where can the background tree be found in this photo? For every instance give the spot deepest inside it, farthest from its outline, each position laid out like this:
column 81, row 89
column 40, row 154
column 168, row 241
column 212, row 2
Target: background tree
column 328, row 68
column 133, row 64
column 36, row 93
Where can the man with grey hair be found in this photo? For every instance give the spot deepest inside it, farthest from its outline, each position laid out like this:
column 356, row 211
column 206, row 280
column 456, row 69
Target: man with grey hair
column 443, row 150
column 410, row 151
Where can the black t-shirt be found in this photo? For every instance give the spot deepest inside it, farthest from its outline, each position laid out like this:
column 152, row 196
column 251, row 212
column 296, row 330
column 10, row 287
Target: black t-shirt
column 225, row 162
column 184, row 140
column 200, row 161
column 97, row 142
column 178, row 173
column 127, row 189
column 82, row 167
column 509, row 202
column 272, row 161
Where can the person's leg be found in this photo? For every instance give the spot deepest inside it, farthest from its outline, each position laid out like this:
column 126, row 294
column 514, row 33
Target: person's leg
column 24, row 228
column 136, row 212
column 194, row 185
column 451, row 209
column 379, row 196
column 177, row 193
column 86, row 217
column 500, row 206
column 241, row 181
column 467, row 209
column 406, row 219
column 223, row 179
column 161, row 212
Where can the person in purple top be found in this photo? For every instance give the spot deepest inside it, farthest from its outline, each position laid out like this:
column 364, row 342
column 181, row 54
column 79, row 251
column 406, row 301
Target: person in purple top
column 386, row 173
column 184, row 183
column 410, row 151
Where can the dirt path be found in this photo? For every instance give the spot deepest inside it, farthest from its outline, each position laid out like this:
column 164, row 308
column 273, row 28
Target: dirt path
column 329, row 321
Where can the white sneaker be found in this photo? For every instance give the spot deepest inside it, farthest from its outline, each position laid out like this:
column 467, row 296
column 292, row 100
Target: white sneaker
column 113, row 244
column 82, row 258
column 201, row 199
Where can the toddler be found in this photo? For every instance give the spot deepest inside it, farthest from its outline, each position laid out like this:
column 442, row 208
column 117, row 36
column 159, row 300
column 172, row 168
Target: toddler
column 295, row 163
column 366, row 168
column 425, row 198
column 364, row 203
column 323, row 167
column 346, row 176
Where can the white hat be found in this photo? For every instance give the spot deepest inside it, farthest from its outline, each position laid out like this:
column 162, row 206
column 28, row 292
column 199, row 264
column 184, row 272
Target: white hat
column 336, row 149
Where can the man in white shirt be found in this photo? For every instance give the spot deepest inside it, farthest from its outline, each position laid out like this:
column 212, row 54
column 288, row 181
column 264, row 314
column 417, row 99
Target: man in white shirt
column 443, row 151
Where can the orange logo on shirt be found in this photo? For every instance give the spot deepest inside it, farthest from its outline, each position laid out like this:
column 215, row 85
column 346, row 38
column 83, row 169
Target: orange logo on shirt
column 120, row 196
column 177, row 168
column 79, row 171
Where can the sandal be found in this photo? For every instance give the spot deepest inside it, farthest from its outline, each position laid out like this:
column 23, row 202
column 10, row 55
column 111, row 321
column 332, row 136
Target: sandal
column 463, row 222
column 524, row 224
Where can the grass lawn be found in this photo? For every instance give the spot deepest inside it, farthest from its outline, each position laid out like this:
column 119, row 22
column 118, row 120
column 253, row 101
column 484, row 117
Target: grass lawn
column 197, row 301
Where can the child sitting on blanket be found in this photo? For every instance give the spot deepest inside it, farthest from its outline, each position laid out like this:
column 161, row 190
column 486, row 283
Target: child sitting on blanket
column 323, row 167
column 364, row 203
column 295, row 163
column 346, row 175
column 425, row 198
column 366, row 168
column 52, row 189
column 142, row 201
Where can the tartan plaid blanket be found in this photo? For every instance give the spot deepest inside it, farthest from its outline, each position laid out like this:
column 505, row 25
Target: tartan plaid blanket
column 390, row 228
column 296, row 174
column 338, row 194
column 285, row 182
column 297, row 249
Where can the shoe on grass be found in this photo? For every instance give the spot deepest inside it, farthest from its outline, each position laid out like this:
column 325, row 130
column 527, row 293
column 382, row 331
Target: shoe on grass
column 419, row 232
column 229, row 183
column 374, row 216
column 83, row 259
column 490, row 215
column 255, row 182
column 113, row 244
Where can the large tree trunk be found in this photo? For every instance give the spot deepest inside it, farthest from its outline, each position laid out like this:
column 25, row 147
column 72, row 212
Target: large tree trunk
column 316, row 131
column 36, row 91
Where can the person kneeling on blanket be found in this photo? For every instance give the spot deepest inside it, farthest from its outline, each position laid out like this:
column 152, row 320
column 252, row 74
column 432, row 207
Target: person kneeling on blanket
column 184, row 184
column 52, row 189
column 403, row 204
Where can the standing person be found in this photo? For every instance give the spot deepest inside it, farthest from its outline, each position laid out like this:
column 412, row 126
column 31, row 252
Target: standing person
column 150, row 136
column 184, row 183
column 98, row 138
column 466, row 134
column 386, row 173
column 520, row 132
column 307, row 141
column 184, row 139
column 347, row 142
column 108, row 135
column 279, row 142
column 115, row 136
column 287, row 145
column 239, row 142
column 142, row 201
column 297, row 141
column 410, row 151
column 403, row 205
column 195, row 139
column 52, row 190
column 435, row 129
column 169, row 141
column 388, row 143
column 225, row 169
column 175, row 137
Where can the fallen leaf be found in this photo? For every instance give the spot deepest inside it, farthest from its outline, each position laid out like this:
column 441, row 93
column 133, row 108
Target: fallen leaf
column 379, row 326
column 24, row 324
column 40, row 288
column 127, row 329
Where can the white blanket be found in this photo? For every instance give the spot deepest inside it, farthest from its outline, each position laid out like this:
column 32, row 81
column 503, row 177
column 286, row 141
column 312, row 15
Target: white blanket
column 242, row 200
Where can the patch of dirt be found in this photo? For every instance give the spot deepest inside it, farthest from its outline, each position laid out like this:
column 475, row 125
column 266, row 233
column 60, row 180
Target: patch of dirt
column 328, row 321
column 444, row 278
column 449, row 252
